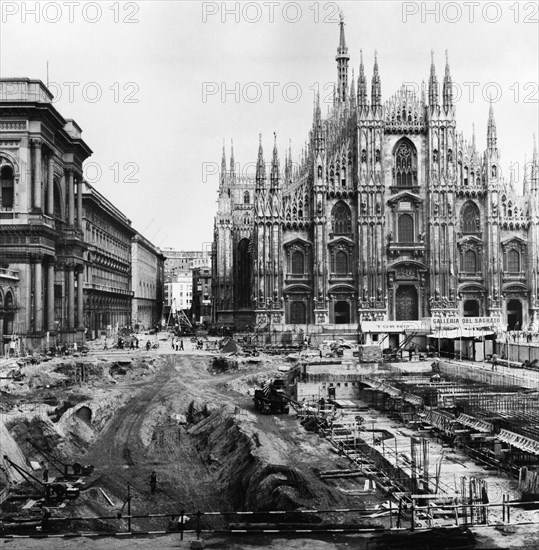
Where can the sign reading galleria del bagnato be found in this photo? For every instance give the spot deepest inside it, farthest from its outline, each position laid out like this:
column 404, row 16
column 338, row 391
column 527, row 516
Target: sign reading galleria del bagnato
column 390, row 215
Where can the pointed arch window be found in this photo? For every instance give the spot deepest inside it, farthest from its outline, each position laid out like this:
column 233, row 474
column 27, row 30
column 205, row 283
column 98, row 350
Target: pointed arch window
column 470, row 262
column 513, row 261
column 470, row 218
column 246, row 198
column 7, row 188
column 341, row 262
column 298, row 263
column 406, row 228
column 405, row 164
column 342, row 219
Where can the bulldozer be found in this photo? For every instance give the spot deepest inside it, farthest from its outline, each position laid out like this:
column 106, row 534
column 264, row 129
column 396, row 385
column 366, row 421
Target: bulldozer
column 272, row 398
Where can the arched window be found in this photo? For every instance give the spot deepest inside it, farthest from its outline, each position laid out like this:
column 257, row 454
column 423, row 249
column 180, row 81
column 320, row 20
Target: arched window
column 405, row 163
column 341, row 262
column 406, row 228
column 246, row 198
column 9, row 314
column 513, row 261
column 298, row 263
column 469, row 218
column 470, row 262
column 342, row 219
column 7, row 188
column 298, row 313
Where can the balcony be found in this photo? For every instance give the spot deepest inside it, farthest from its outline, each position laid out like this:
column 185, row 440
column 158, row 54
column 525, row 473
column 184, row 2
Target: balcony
column 9, row 274
column 411, row 249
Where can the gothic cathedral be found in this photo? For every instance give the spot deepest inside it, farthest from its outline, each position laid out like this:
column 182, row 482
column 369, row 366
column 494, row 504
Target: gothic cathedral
column 389, row 215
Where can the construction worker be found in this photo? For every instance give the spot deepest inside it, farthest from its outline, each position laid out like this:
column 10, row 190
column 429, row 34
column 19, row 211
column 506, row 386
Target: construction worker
column 153, row 482
column 45, row 472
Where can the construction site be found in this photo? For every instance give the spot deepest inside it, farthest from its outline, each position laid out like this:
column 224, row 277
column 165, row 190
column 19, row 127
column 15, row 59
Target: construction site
column 237, row 444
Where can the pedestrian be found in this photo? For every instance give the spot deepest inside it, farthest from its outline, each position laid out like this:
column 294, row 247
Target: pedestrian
column 148, row 345
column 410, row 353
column 173, row 343
column 153, row 482
column 45, row 472
column 181, row 344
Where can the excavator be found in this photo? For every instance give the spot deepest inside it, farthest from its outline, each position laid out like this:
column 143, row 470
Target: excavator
column 272, row 398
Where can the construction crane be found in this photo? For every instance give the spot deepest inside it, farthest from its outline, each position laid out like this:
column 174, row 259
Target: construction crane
column 77, row 469
column 59, row 490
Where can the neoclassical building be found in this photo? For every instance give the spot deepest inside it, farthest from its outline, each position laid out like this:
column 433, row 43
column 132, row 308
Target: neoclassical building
column 41, row 244
column 390, row 215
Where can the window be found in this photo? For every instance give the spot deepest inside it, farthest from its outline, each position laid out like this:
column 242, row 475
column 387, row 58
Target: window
column 7, row 187
column 470, row 262
column 298, row 263
column 469, row 218
column 405, row 164
column 341, row 262
column 298, row 313
column 246, row 198
column 513, row 261
column 406, row 228
column 342, row 219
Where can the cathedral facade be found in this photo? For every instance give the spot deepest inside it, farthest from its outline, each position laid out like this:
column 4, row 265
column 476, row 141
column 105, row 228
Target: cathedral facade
column 389, row 215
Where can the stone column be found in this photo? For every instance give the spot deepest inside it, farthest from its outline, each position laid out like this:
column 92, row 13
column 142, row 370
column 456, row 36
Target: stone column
column 1, row 333
column 38, row 296
column 70, row 296
column 80, row 286
column 37, row 174
column 70, row 198
column 50, row 188
column 50, row 296
column 79, row 203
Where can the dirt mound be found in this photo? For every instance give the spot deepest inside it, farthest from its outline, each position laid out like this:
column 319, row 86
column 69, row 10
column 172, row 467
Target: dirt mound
column 244, row 473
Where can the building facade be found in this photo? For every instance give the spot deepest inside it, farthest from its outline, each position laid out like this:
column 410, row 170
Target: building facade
column 108, row 294
column 41, row 156
column 148, row 282
column 390, row 215
column 201, row 308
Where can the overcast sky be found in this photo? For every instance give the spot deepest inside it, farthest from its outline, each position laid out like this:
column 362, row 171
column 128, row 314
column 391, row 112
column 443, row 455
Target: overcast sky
column 150, row 78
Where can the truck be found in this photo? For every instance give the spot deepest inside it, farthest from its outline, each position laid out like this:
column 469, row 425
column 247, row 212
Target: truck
column 272, row 398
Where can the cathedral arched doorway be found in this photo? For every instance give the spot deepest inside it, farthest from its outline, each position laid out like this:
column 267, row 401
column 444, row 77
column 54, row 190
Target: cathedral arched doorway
column 342, row 312
column 243, row 274
column 514, row 315
column 406, row 303
column 471, row 308
column 298, row 313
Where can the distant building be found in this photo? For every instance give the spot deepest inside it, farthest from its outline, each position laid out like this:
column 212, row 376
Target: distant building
column 41, row 241
column 108, row 292
column 201, row 308
column 179, row 267
column 148, row 281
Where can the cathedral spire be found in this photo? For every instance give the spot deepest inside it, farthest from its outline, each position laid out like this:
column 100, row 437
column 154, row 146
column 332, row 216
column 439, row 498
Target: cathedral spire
column 376, row 90
column 361, row 84
column 223, row 166
column 448, row 86
column 274, row 176
column 433, row 82
column 534, row 176
column 352, row 93
column 260, row 166
column 342, row 58
column 232, row 164
column 491, row 129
